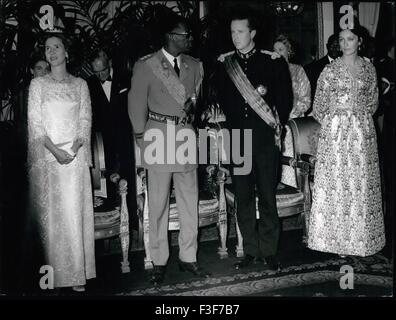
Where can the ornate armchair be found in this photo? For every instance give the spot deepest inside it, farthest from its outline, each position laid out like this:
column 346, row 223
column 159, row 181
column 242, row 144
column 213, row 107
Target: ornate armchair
column 291, row 201
column 110, row 220
column 211, row 210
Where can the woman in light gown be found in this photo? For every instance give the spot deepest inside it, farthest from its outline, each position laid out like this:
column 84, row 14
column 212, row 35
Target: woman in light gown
column 301, row 102
column 346, row 216
column 59, row 156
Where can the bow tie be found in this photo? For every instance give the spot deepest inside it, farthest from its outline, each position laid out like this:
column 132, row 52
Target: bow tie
column 108, row 79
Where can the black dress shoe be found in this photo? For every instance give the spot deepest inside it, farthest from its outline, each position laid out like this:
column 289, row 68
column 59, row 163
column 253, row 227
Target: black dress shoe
column 157, row 275
column 273, row 263
column 194, row 268
column 247, row 261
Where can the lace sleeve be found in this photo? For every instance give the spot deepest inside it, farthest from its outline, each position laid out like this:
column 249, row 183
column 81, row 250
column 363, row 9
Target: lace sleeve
column 36, row 130
column 372, row 92
column 85, row 122
column 322, row 96
column 302, row 95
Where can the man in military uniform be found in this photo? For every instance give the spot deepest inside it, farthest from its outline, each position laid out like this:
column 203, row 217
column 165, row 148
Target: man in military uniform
column 162, row 98
column 255, row 92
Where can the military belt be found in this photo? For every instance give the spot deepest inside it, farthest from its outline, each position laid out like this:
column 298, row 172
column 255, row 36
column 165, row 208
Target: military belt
column 163, row 118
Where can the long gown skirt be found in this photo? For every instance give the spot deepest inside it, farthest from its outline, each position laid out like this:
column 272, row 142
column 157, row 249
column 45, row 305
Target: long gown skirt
column 346, row 216
column 70, row 224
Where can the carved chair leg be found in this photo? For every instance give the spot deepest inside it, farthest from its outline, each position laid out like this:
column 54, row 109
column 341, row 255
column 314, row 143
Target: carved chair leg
column 148, row 263
column 124, row 237
column 305, row 224
column 124, row 227
column 239, row 247
column 222, row 251
column 222, row 224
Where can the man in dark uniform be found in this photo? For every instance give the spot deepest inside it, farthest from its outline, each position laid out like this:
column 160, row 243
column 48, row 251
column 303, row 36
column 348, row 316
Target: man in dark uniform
column 268, row 78
column 315, row 68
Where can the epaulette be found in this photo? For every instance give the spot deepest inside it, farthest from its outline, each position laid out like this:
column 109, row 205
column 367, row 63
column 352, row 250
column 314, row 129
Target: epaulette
column 224, row 55
column 273, row 54
column 190, row 57
column 146, row 57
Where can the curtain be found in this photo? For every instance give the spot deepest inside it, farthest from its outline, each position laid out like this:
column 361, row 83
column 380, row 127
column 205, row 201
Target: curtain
column 368, row 15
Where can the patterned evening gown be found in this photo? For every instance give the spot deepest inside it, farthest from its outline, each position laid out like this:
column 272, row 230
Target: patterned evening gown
column 61, row 195
column 301, row 103
column 346, row 216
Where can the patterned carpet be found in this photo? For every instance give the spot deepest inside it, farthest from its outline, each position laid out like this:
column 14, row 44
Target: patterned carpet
column 372, row 277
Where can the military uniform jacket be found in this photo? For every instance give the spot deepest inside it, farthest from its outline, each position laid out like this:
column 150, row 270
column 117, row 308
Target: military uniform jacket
column 263, row 70
column 148, row 92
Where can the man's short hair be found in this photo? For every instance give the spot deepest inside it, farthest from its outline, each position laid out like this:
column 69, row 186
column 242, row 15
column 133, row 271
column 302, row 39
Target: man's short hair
column 99, row 54
column 243, row 12
column 332, row 38
column 36, row 58
column 173, row 22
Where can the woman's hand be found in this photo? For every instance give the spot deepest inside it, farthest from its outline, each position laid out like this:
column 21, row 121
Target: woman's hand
column 63, row 157
column 76, row 145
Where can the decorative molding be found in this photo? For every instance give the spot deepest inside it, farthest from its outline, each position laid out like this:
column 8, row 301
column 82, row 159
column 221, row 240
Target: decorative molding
column 320, row 52
column 327, row 25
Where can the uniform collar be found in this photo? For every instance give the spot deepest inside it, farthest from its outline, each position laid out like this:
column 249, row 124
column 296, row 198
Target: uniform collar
column 246, row 55
column 171, row 58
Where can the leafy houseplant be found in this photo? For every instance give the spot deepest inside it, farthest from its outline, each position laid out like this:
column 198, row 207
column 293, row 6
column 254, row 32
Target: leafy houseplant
column 128, row 32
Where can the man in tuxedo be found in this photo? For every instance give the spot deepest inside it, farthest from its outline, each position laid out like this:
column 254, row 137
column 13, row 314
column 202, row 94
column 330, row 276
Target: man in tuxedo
column 315, row 68
column 109, row 99
column 254, row 90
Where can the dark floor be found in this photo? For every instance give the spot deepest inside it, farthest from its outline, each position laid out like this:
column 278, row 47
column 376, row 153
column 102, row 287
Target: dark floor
column 110, row 281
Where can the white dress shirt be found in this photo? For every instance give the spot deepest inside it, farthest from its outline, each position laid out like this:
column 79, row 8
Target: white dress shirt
column 171, row 58
column 107, row 85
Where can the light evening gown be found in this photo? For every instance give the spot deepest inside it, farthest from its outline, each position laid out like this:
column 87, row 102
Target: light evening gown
column 346, row 216
column 61, row 195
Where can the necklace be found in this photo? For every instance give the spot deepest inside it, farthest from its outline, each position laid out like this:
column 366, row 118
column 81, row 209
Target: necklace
column 67, row 76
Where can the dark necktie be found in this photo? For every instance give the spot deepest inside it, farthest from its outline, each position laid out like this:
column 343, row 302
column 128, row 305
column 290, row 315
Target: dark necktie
column 176, row 67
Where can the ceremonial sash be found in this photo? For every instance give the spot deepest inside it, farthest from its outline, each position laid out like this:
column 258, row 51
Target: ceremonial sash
column 170, row 81
column 253, row 98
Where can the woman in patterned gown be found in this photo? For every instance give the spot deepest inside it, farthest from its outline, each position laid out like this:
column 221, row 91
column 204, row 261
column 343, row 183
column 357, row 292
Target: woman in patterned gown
column 59, row 156
column 346, row 216
column 301, row 102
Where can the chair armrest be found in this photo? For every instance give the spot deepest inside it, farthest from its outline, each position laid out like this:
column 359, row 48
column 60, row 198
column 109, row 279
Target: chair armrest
column 289, row 161
column 308, row 158
column 311, row 160
column 115, row 178
column 294, row 163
